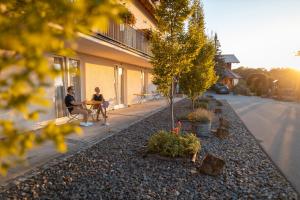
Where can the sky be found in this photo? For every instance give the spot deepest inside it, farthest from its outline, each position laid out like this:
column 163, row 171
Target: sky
column 261, row 33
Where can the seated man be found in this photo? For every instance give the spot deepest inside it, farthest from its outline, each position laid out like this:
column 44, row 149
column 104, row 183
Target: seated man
column 99, row 97
column 77, row 107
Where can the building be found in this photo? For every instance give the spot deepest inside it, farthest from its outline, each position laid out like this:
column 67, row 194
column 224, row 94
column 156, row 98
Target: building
column 229, row 78
column 116, row 60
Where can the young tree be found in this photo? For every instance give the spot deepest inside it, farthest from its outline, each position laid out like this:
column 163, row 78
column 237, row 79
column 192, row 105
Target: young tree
column 29, row 29
column 219, row 62
column 170, row 57
column 202, row 75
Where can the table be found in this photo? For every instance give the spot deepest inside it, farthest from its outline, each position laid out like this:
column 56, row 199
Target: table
column 142, row 96
column 92, row 102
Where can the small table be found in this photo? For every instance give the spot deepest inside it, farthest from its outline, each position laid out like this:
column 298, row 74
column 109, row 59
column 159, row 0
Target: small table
column 93, row 103
column 142, row 96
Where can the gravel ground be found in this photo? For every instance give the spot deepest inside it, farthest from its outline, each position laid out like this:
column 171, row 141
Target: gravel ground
column 116, row 169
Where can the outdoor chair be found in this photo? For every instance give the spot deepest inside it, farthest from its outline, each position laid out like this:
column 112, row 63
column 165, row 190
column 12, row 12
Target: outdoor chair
column 156, row 95
column 72, row 117
column 104, row 105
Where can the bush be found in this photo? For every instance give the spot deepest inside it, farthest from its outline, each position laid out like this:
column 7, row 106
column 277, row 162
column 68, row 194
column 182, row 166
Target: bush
column 200, row 115
column 171, row 145
column 200, row 104
column 242, row 88
column 203, row 99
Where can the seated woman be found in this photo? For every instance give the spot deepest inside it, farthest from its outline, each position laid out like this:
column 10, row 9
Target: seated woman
column 99, row 97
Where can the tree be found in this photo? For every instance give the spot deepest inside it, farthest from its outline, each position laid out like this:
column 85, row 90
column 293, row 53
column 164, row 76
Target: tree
column 171, row 56
column 29, row 29
column 201, row 74
column 219, row 61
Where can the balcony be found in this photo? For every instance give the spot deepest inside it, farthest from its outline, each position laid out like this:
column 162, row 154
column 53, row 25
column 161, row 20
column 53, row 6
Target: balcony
column 127, row 37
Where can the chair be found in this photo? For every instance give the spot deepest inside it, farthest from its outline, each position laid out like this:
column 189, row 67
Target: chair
column 155, row 95
column 104, row 105
column 71, row 116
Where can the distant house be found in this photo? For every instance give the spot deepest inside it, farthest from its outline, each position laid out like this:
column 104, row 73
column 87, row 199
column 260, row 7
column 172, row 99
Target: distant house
column 298, row 53
column 228, row 77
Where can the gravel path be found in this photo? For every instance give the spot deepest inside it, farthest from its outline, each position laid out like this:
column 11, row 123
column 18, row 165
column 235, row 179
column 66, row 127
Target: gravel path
column 115, row 169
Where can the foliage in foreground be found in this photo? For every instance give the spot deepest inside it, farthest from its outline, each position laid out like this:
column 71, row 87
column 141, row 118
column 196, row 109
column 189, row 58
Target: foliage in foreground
column 173, row 145
column 29, row 30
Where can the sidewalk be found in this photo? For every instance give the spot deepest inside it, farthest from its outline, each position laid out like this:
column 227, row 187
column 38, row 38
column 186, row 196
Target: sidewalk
column 118, row 119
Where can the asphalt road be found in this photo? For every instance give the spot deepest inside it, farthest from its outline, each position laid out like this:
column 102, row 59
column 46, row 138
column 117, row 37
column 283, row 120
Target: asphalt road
column 276, row 125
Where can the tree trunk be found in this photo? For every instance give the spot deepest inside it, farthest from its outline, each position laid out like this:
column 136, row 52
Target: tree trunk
column 172, row 105
column 193, row 104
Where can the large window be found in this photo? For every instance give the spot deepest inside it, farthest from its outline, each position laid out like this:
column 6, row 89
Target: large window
column 74, row 76
column 60, row 87
column 70, row 75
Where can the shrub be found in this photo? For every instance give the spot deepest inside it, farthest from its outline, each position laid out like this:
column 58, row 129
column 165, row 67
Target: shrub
column 200, row 115
column 203, row 99
column 242, row 88
column 172, row 145
column 219, row 103
column 200, row 104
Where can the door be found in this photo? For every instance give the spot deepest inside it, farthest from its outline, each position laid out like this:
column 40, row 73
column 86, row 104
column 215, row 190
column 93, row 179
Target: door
column 119, row 85
column 60, row 88
column 74, row 77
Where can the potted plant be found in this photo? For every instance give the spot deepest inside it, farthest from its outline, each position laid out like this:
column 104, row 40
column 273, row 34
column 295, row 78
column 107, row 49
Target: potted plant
column 201, row 119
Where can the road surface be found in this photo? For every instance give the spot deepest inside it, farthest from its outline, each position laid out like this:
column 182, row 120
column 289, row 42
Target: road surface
column 276, row 125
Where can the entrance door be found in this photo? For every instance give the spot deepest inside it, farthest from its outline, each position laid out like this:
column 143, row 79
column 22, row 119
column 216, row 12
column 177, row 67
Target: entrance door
column 74, row 77
column 59, row 84
column 119, row 85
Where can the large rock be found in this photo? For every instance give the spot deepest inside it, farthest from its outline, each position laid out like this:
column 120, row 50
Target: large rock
column 222, row 133
column 212, row 165
column 218, row 110
column 223, row 122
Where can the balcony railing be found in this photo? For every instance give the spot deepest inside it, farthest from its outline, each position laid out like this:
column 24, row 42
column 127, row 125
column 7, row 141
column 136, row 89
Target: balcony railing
column 128, row 37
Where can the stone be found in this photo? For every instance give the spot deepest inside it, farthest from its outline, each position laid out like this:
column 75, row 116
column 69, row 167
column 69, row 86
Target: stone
column 218, row 110
column 223, row 122
column 222, row 133
column 212, row 165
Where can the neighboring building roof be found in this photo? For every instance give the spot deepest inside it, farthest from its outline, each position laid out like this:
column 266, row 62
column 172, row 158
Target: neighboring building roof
column 230, row 58
column 230, row 74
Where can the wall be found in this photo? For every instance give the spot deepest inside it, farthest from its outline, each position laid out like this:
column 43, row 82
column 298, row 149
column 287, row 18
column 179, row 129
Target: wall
column 134, row 85
column 98, row 72
column 144, row 20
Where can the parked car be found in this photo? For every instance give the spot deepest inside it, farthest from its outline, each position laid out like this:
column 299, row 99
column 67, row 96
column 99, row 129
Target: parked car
column 220, row 88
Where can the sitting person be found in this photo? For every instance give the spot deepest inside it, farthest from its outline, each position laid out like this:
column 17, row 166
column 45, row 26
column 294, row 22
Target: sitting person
column 77, row 107
column 99, row 97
